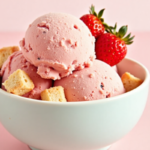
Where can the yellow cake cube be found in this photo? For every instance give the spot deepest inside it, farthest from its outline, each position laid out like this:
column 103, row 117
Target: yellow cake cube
column 54, row 94
column 6, row 52
column 130, row 82
column 19, row 83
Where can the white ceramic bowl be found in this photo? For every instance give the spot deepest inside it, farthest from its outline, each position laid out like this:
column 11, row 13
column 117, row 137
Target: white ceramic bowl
column 90, row 125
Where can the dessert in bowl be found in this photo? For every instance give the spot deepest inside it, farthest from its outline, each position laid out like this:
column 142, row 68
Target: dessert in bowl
column 67, row 99
column 90, row 125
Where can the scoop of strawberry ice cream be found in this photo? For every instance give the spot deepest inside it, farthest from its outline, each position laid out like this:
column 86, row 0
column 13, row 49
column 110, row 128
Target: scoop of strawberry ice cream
column 17, row 61
column 115, row 68
column 96, row 82
column 58, row 44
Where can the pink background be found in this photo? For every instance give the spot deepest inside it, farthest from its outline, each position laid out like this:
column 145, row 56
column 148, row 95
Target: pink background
column 16, row 15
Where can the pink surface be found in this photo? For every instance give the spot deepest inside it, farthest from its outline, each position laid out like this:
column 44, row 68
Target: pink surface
column 137, row 139
column 58, row 44
column 96, row 82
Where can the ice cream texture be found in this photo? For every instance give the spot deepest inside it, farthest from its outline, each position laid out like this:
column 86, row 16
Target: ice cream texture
column 17, row 61
column 96, row 82
column 57, row 44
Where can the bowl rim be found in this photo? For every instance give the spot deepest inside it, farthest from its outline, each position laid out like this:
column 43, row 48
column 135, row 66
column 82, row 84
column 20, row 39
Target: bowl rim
column 115, row 98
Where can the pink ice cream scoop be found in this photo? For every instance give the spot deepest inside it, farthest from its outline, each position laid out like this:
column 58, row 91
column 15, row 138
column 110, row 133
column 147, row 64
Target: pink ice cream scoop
column 58, row 44
column 96, row 82
column 17, row 61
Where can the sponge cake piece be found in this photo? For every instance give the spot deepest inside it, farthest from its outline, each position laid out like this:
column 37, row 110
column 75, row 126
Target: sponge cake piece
column 54, row 94
column 18, row 83
column 130, row 82
column 6, row 52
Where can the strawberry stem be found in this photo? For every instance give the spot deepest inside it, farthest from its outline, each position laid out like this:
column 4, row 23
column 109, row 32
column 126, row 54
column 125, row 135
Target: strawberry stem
column 99, row 15
column 121, row 33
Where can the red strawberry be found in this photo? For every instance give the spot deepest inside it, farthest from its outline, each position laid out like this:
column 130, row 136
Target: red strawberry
column 111, row 47
column 94, row 22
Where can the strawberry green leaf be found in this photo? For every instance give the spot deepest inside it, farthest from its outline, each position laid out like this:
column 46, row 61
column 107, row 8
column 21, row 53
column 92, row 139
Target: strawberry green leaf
column 95, row 14
column 127, row 37
column 100, row 13
column 105, row 25
column 130, row 39
column 114, row 28
column 122, row 31
column 102, row 20
column 92, row 9
column 128, row 43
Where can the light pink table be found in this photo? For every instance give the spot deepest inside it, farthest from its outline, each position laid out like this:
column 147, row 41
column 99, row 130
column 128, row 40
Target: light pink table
column 137, row 139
